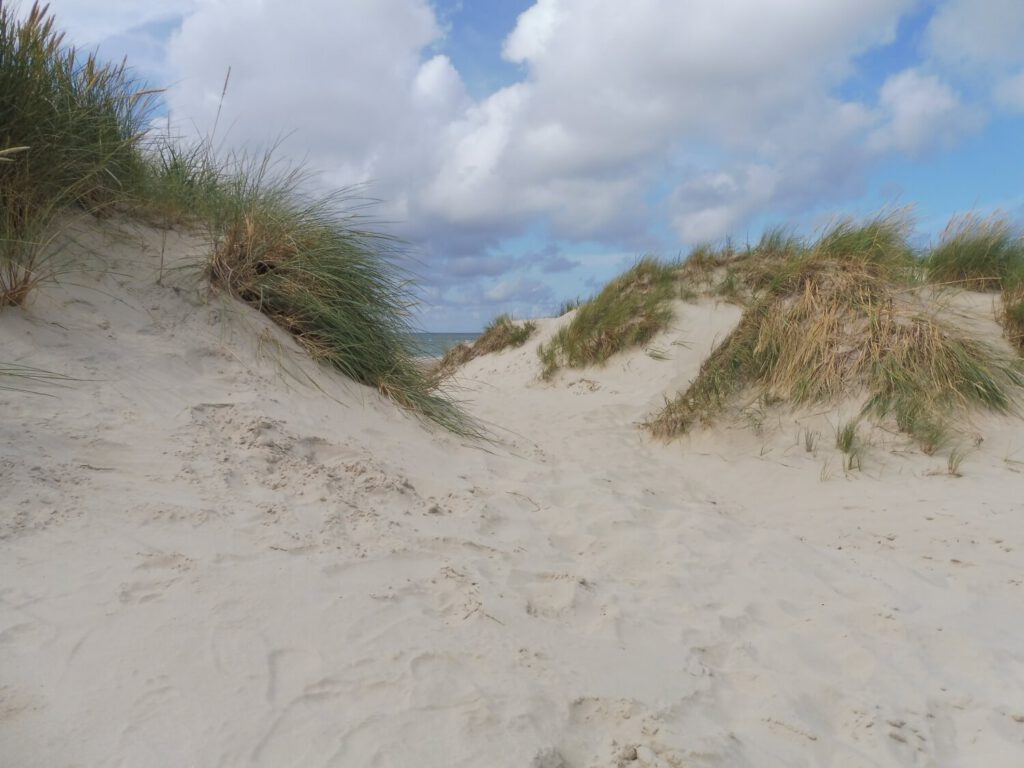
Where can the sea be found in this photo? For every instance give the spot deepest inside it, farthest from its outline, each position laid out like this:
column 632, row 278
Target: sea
column 436, row 344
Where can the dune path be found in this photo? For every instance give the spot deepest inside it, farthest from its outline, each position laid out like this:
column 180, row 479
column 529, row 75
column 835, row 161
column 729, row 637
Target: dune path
column 215, row 553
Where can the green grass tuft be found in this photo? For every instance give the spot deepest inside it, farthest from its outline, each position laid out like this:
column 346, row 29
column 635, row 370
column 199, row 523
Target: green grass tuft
column 335, row 285
column 501, row 333
column 629, row 312
column 1012, row 315
column 568, row 306
column 69, row 126
column 976, row 253
column 78, row 119
column 848, row 441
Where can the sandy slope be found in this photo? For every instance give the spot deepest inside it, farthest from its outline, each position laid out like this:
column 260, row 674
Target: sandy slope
column 214, row 554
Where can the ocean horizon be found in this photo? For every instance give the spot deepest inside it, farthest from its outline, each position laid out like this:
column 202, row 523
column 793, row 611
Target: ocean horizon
column 436, row 344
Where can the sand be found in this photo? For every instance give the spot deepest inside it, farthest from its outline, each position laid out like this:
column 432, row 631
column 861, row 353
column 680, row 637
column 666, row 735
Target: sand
column 215, row 553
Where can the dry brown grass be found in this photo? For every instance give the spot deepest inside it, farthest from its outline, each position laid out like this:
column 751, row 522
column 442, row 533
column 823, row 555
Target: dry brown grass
column 844, row 319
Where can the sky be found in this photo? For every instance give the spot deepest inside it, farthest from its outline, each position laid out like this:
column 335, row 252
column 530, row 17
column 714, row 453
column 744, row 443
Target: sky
column 529, row 151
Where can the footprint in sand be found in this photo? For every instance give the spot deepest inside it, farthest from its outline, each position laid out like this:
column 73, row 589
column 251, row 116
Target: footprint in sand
column 139, row 592
column 552, row 595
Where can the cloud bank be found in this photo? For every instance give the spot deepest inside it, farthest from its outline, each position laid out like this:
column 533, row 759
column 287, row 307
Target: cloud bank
column 653, row 124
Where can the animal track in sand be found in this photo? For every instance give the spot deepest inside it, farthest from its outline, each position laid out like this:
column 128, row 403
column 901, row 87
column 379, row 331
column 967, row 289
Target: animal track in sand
column 174, row 561
column 617, row 733
column 27, row 637
column 552, row 595
column 457, row 596
column 14, row 702
column 139, row 592
column 443, row 681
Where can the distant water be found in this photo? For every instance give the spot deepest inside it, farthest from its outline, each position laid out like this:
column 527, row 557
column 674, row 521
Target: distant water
column 436, row 344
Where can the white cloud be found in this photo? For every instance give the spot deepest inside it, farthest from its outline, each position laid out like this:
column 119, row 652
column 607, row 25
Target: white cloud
column 977, row 32
column 92, row 22
column 922, row 113
column 714, row 203
column 628, row 116
column 354, row 81
column 521, row 290
column 1009, row 93
column 612, row 90
column 534, row 31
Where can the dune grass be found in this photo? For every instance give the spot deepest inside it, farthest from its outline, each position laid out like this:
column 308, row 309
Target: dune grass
column 848, row 441
column 501, row 333
column 69, row 126
column 976, row 253
column 628, row 312
column 843, row 319
column 1012, row 315
column 181, row 183
column 20, row 378
column 984, row 254
column 737, row 275
column 568, row 306
column 336, row 285
column 72, row 134
column 78, row 119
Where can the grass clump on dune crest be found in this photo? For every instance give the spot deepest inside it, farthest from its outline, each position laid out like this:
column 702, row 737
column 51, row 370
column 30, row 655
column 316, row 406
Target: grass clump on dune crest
column 501, row 333
column 69, row 126
column 333, row 284
column 628, row 312
column 976, row 253
column 737, row 275
column 1012, row 316
column 985, row 254
column 182, row 183
column 72, row 134
column 841, row 319
column 79, row 120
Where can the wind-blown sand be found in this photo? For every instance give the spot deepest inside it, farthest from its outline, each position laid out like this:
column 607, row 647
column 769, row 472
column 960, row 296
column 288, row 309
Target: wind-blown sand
column 215, row 553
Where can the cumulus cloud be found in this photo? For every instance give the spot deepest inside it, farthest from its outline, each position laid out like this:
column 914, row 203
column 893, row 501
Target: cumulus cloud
column 350, row 79
column 629, row 118
column 713, row 204
column 922, row 113
column 977, row 33
column 609, row 94
column 612, row 91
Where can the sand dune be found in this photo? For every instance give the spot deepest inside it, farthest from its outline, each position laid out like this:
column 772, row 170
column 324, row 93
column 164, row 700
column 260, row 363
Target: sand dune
column 215, row 553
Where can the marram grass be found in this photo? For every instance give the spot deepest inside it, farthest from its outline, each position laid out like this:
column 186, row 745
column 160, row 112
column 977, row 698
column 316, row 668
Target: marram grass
column 985, row 254
column 1012, row 312
column 72, row 134
column 333, row 284
column 501, row 333
column 68, row 129
column 628, row 312
column 842, row 319
column 976, row 253
column 76, row 119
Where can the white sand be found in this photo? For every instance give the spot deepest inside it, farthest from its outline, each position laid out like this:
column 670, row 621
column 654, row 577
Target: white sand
column 213, row 553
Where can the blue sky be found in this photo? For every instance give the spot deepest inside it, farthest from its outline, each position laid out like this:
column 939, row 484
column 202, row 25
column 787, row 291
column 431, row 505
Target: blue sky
column 528, row 151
